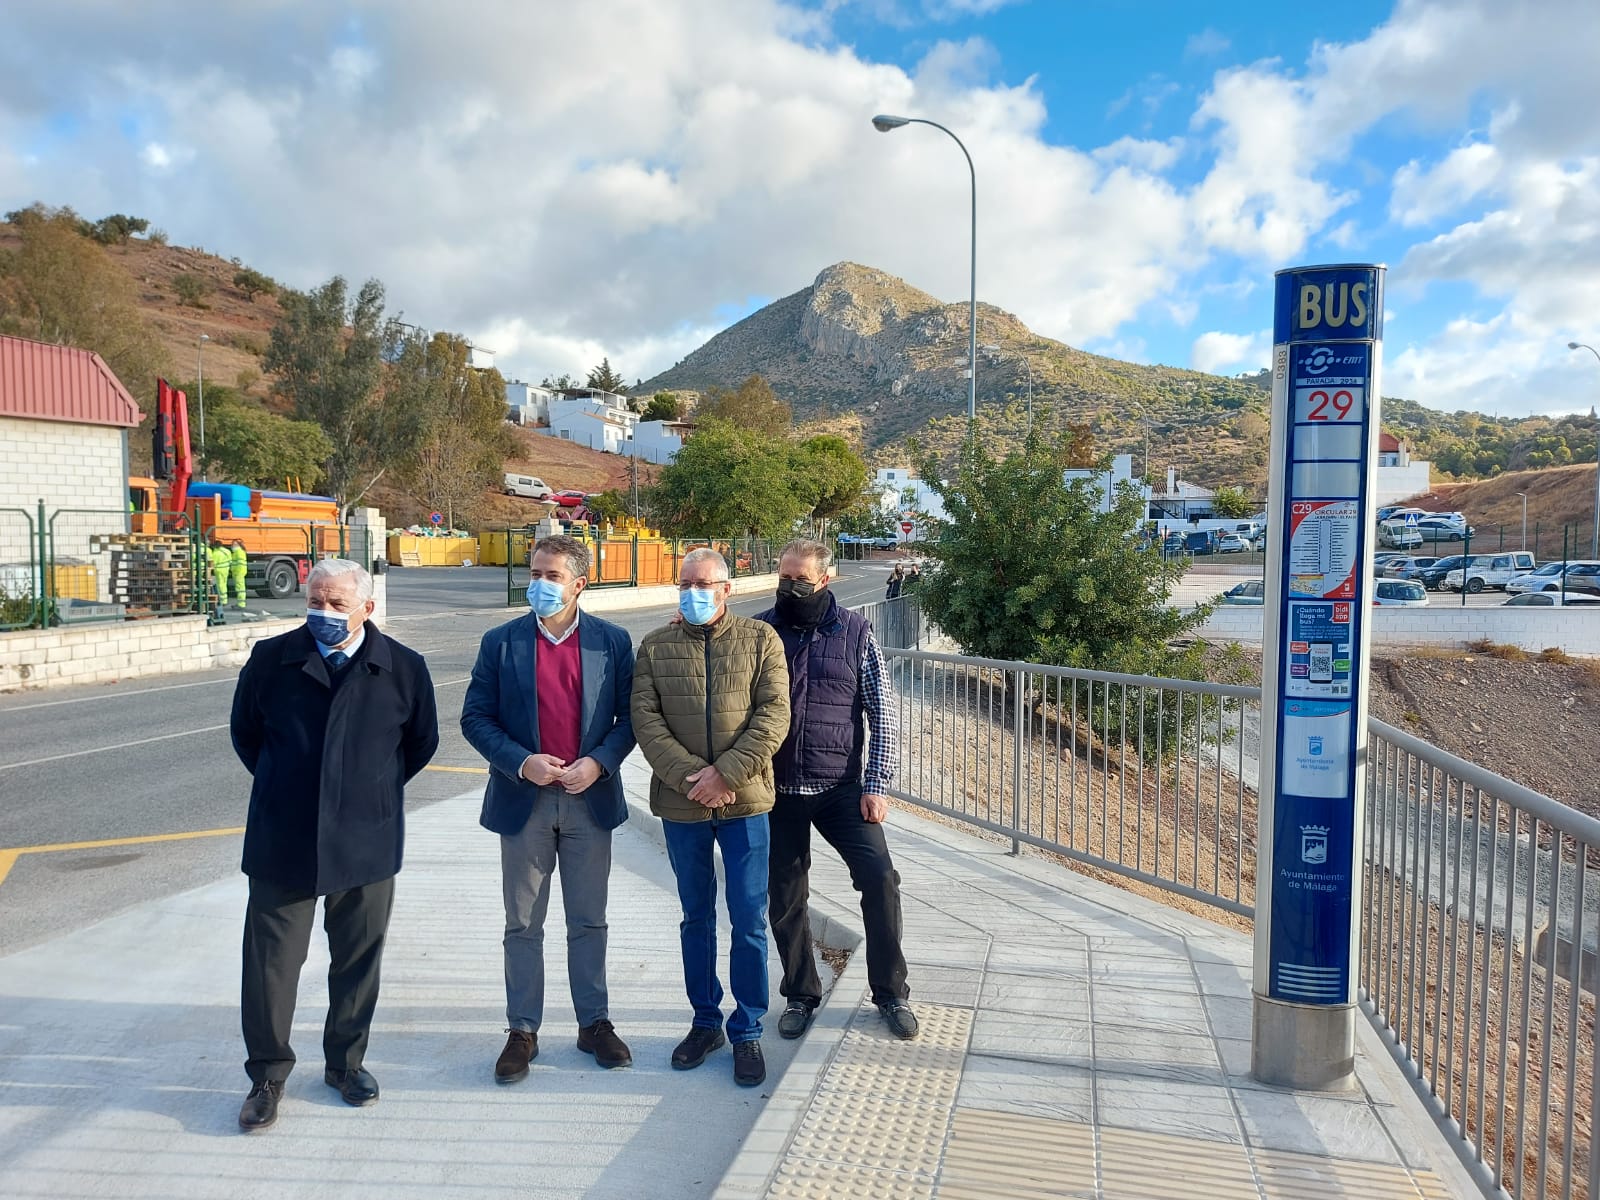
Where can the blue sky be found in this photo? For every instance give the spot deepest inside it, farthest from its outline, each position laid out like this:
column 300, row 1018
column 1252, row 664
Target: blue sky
column 625, row 177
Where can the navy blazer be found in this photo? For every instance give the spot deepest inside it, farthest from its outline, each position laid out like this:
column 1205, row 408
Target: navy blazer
column 500, row 717
column 327, row 804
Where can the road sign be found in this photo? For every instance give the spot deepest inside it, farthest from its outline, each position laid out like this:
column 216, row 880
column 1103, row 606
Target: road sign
column 437, row 518
column 1327, row 348
column 1411, row 520
column 905, row 526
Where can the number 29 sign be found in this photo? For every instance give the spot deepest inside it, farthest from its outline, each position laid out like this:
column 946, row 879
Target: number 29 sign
column 1328, row 404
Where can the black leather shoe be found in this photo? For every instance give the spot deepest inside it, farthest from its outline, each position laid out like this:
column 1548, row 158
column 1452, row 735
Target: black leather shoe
column 260, row 1107
column 796, row 1019
column 692, row 1051
column 356, row 1085
column 521, row 1049
column 601, row 1040
column 901, row 1020
column 749, row 1064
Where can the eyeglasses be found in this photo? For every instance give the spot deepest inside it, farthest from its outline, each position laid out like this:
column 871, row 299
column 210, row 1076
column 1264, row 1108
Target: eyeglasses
column 704, row 585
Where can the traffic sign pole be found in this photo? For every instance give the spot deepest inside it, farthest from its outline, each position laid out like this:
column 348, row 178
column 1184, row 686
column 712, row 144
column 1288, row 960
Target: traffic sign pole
column 1327, row 348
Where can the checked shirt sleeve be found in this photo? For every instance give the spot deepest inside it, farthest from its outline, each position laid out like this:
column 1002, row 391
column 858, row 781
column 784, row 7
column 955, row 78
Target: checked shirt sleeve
column 877, row 697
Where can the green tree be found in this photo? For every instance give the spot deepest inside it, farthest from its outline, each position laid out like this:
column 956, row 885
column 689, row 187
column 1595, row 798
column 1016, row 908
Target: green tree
column 663, row 406
column 752, row 405
column 1029, row 568
column 192, row 289
column 457, row 414
column 868, row 519
column 730, row 481
column 610, row 507
column 604, row 378
column 1231, row 502
column 831, row 474
column 561, row 383
column 253, row 283
column 325, row 357
column 247, row 444
column 116, row 229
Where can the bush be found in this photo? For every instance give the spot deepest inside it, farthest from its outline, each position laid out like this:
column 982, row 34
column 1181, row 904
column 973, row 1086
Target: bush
column 253, row 283
column 156, row 237
column 192, row 289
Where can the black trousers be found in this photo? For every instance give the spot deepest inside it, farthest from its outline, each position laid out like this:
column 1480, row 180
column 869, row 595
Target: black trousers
column 837, row 817
column 277, row 934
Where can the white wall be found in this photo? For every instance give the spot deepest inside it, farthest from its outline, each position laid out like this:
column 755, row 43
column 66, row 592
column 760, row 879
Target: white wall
column 654, row 442
column 1401, row 483
column 68, row 466
column 1444, row 624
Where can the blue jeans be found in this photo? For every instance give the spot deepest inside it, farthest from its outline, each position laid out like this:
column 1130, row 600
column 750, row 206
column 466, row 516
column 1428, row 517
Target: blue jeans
column 745, row 845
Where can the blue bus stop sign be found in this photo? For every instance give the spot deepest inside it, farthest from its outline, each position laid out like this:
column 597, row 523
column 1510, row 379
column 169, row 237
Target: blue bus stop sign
column 1327, row 344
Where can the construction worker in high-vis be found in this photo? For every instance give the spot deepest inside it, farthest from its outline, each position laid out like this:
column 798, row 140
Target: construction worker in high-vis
column 221, row 565
column 239, row 563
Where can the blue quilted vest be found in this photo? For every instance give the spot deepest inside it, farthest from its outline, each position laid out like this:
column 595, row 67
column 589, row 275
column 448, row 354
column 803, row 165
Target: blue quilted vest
column 827, row 738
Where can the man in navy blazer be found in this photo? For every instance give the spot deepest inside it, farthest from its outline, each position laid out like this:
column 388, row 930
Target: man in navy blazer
column 548, row 706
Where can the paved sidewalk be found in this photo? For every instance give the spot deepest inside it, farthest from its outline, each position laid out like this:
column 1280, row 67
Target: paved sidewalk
column 1077, row 1041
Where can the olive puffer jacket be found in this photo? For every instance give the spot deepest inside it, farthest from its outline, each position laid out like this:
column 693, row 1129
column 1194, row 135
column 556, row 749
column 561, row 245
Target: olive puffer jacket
column 716, row 694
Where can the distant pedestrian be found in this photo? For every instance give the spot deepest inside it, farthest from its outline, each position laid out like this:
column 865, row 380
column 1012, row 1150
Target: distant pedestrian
column 897, row 582
column 332, row 719
column 220, row 561
column 239, row 562
column 710, row 708
column 832, row 776
column 548, row 708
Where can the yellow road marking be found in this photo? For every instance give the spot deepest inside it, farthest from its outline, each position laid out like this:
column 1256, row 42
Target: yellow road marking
column 460, row 770
column 9, row 856
column 8, row 859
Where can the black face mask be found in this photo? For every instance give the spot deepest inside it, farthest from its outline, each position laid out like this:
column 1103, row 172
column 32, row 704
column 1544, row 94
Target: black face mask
column 800, row 603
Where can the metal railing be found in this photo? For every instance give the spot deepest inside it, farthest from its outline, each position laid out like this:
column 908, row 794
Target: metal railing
column 898, row 624
column 21, row 563
column 1480, row 946
column 1478, row 957
column 1140, row 776
column 631, row 561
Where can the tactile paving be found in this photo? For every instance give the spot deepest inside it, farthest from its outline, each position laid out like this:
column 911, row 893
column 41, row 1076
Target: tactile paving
column 1286, row 1175
column 800, row 1179
column 993, row 1155
column 869, row 1131
column 927, row 1070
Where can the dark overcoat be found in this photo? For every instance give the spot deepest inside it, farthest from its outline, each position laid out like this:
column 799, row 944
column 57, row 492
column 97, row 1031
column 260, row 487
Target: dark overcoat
column 330, row 758
column 500, row 717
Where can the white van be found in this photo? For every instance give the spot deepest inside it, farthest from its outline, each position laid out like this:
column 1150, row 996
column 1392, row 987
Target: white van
column 1397, row 535
column 527, row 485
column 1490, row 571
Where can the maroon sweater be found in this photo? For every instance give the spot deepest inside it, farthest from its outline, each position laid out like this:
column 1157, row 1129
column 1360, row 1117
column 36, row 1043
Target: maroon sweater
column 558, row 677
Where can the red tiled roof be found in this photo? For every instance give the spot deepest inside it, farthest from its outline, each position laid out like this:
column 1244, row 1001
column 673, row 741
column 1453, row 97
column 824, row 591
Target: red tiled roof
column 59, row 383
column 1388, row 443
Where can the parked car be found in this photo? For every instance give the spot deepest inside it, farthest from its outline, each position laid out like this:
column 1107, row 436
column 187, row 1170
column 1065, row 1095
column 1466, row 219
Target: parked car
column 1442, row 529
column 1201, row 541
column 1232, row 543
column 530, row 486
column 1251, row 591
column 1554, row 600
column 871, row 541
column 1432, row 577
column 1399, row 593
column 1481, row 571
column 1406, row 566
column 1546, row 577
column 1398, row 535
column 1584, row 577
column 569, row 498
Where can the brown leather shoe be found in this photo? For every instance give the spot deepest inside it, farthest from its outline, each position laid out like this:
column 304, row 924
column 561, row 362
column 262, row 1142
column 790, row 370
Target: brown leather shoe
column 260, row 1107
column 601, row 1040
column 521, row 1049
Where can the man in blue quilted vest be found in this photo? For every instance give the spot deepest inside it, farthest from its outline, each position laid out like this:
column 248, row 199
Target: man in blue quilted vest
column 832, row 775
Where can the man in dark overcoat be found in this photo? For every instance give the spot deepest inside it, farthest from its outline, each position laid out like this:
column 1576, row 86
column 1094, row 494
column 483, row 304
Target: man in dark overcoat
column 332, row 719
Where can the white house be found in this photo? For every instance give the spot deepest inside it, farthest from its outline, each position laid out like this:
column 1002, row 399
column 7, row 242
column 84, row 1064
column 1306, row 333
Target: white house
column 528, row 403
column 595, row 430
column 900, row 492
column 659, row 441
column 1181, row 500
column 1399, row 476
column 1121, row 472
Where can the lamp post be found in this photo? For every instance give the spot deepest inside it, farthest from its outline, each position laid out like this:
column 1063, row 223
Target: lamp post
column 1524, row 496
column 1594, row 546
column 200, row 386
column 991, row 348
column 884, row 124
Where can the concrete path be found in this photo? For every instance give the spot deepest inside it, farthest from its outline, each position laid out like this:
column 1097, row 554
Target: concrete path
column 1077, row 1041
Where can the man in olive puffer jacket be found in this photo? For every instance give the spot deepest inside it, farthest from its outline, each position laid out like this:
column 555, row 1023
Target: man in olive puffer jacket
column 710, row 708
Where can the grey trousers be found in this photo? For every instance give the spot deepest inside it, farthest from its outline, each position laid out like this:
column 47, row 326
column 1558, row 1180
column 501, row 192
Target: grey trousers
column 560, row 833
column 277, row 935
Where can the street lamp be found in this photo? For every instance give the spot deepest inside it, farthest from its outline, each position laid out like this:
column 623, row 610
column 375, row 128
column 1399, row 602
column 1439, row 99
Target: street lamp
column 884, row 124
column 1524, row 496
column 200, row 385
column 990, row 348
column 1594, row 548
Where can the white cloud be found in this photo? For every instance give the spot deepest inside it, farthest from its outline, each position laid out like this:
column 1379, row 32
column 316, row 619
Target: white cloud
column 1423, row 194
column 1206, row 44
column 1231, row 353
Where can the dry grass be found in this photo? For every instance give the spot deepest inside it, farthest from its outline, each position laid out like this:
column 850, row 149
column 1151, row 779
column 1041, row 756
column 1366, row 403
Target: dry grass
column 1497, row 650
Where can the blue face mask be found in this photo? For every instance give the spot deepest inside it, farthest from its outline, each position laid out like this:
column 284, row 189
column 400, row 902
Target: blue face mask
column 546, row 597
column 697, row 605
column 329, row 628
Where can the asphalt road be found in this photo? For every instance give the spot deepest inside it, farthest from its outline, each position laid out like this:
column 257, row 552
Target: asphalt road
column 152, row 759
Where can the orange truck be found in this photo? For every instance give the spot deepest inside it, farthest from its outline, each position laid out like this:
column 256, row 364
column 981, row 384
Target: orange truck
column 283, row 533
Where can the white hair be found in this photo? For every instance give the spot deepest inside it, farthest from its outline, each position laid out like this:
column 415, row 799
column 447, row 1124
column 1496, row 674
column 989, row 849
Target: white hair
column 338, row 568
column 706, row 554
